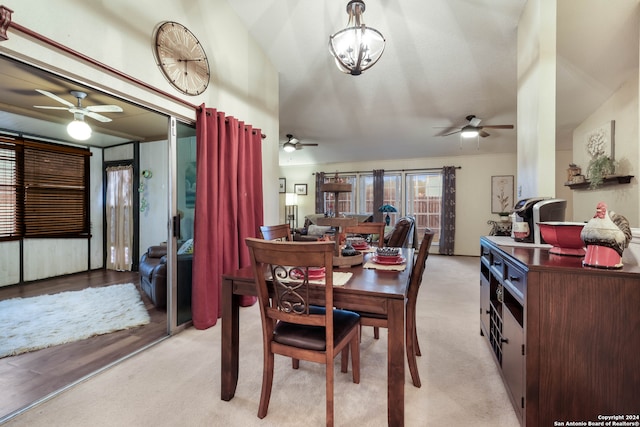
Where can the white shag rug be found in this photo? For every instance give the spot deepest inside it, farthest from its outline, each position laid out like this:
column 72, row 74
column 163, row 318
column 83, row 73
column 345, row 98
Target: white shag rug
column 28, row 324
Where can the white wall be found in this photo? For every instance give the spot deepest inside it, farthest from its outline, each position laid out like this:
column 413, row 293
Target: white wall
column 154, row 221
column 96, row 210
column 9, row 263
column 537, row 99
column 473, row 189
column 622, row 107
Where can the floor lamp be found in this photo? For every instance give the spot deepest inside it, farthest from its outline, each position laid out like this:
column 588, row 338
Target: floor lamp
column 291, row 209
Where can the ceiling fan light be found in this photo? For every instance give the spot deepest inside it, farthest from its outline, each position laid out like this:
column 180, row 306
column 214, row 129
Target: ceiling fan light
column 469, row 132
column 79, row 129
column 357, row 47
column 289, row 147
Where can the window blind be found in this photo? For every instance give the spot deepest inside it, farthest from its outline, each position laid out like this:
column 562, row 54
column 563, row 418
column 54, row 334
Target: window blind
column 44, row 190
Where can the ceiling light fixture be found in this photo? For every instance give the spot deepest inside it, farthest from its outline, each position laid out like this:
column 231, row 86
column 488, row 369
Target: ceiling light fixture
column 288, row 147
column 78, row 128
column 469, row 131
column 291, row 143
column 357, row 47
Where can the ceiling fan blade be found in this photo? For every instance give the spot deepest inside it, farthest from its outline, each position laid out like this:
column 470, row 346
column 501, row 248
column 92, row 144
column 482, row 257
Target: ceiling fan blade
column 308, row 145
column 484, row 134
column 98, row 117
column 451, row 133
column 56, row 97
column 104, row 109
column 46, row 107
column 497, row 126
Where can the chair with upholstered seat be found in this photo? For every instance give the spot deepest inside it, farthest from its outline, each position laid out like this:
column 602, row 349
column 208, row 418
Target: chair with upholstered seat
column 368, row 228
column 380, row 321
column 276, row 232
column 403, row 232
column 291, row 326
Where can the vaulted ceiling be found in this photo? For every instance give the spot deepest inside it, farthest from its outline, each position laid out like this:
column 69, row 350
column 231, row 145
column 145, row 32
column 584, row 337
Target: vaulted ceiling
column 444, row 60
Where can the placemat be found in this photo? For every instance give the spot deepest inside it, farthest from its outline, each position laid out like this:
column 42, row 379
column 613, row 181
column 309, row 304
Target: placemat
column 392, row 267
column 339, row 279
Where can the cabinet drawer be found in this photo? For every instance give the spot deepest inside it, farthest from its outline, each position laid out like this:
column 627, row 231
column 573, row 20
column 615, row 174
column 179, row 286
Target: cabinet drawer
column 497, row 264
column 516, row 281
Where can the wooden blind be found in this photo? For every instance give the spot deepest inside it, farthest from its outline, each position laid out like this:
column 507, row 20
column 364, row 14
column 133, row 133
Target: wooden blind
column 10, row 190
column 43, row 190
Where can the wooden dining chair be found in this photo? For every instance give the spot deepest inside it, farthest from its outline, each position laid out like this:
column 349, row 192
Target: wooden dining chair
column 291, row 326
column 276, row 232
column 380, row 321
column 368, row 228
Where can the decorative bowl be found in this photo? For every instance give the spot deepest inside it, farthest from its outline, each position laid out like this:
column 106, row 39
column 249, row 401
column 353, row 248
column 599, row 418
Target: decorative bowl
column 564, row 237
column 388, row 252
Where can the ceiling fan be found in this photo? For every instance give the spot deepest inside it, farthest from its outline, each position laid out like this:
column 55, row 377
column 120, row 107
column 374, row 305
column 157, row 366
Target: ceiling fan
column 473, row 128
column 293, row 144
column 78, row 110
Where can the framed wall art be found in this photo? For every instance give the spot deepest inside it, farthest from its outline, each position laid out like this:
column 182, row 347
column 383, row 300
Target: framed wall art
column 300, row 189
column 501, row 194
column 282, row 185
column 600, row 141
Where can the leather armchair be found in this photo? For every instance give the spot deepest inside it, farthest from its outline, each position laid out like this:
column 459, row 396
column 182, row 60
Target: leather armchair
column 153, row 275
column 402, row 235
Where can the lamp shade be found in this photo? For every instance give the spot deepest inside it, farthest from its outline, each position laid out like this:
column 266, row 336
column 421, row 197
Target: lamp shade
column 290, row 199
column 387, row 208
column 357, row 47
column 79, row 129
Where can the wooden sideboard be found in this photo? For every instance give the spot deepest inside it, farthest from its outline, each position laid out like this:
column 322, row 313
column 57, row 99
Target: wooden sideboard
column 566, row 338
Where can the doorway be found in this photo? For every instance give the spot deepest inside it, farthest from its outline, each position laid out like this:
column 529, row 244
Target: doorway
column 119, row 218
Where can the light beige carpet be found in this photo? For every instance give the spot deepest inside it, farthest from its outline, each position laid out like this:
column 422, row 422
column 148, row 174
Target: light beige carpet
column 177, row 382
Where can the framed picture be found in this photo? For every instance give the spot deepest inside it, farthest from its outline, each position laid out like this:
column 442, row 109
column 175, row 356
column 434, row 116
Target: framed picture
column 501, row 193
column 600, row 141
column 282, row 185
column 300, row 189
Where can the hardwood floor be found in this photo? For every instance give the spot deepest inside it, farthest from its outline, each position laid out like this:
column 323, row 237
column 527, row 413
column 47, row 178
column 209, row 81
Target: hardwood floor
column 29, row 377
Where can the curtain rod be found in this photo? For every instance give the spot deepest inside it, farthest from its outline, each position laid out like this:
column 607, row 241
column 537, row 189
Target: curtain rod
column 7, row 22
column 390, row 170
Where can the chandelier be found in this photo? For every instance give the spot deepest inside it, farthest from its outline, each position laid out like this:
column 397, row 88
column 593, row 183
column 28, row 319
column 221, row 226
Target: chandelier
column 357, row 47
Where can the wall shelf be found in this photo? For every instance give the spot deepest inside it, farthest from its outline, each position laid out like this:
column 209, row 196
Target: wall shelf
column 612, row 180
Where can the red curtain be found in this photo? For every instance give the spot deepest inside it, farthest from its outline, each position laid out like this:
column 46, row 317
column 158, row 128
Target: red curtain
column 228, row 207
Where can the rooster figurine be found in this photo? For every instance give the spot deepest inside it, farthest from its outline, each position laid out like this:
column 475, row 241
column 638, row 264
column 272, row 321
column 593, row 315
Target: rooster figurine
column 606, row 235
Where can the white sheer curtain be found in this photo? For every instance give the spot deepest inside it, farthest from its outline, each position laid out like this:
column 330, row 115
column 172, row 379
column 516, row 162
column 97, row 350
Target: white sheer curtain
column 119, row 207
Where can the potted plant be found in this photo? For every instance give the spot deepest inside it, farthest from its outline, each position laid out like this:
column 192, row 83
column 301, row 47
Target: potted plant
column 599, row 168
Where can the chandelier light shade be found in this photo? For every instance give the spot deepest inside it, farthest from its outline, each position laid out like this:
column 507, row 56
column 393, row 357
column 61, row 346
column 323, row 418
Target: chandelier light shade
column 357, row 47
column 78, row 128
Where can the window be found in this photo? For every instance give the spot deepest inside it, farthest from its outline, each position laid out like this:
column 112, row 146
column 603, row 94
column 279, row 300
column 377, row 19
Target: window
column 43, row 190
column 422, row 197
column 10, row 190
column 345, row 200
column 424, row 201
column 393, row 195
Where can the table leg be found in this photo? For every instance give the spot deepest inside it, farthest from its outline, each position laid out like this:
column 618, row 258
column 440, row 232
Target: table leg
column 395, row 363
column 230, row 341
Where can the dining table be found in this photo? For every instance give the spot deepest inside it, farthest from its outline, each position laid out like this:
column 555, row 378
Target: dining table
column 372, row 290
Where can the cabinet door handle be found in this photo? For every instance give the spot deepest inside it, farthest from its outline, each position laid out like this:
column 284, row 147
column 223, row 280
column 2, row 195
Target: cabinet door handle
column 488, row 311
column 497, row 262
column 505, row 340
column 514, row 278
